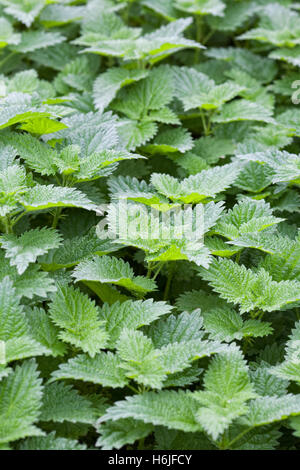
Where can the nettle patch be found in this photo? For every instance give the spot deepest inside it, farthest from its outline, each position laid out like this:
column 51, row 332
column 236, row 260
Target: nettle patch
column 149, row 214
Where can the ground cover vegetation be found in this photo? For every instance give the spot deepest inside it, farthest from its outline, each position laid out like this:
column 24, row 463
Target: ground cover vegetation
column 135, row 341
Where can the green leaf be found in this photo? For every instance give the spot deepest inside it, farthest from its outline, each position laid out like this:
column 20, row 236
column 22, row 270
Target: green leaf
column 107, row 85
column 20, row 403
column 134, row 134
column 115, row 435
column 23, row 347
column 290, row 368
column 257, row 66
column 20, row 107
column 243, row 110
column 272, row 243
column 125, row 187
column 291, row 56
column 262, row 438
column 92, row 132
column 113, row 271
column 152, row 93
column 12, row 184
column 176, row 357
column 253, row 291
column 56, row 15
column 254, row 178
column 167, row 439
column 61, row 402
column 103, row 369
column 170, row 141
column 42, row 197
column 13, row 322
column 112, row 38
column 196, row 299
column 7, row 35
column 43, row 126
column 267, row 384
column 26, row 12
column 33, row 40
column 246, row 217
column 141, row 361
column 177, row 329
column 51, row 442
column 44, row 331
column 201, row 7
column 227, row 325
column 37, row 155
column 74, row 250
column 226, row 391
column 25, row 249
column 78, row 317
column 267, row 410
column 175, row 410
column 100, row 164
column 196, row 188
column 278, row 25
column 284, row 165
column 197, row 90
column 165, row 9
column 32, row 282
column 235, row 16
column 131, row 314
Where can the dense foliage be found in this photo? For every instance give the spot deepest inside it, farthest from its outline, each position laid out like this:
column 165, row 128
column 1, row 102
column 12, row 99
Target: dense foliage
column 129, row 341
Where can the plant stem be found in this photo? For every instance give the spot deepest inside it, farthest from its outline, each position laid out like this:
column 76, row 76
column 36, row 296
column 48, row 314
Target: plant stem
column 199, row 25
column 16, row 220
column 126, row 12
column 133, row 389
column 168, row 284
column 158, row 271
column 205, row 128
column 7, row 224
column 141, row 64
column 3, row 61
column 56, row 217
column 238, row 437
column 149, row 271
column 141, row 444
column 207, row 37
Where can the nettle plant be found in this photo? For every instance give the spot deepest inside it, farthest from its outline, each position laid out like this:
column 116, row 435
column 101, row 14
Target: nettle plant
column 175, row 119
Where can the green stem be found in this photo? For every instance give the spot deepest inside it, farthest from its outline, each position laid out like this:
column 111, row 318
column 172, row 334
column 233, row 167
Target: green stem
column 207, row 37
column 204, row 124
column 168, row 285
column 238, row 256
column 149, row 271
column 158, row 271
column 16, row 220
column 245, row 344
column 238, row 437
column 199, row 25
column 7, row 224
column 3, row 61
column 223, row 443
column 260, row 317
column 56, row 217
column 126, row 13
column 141, row 444
column 257, row 314
column 133, row 389
column 141, row 64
